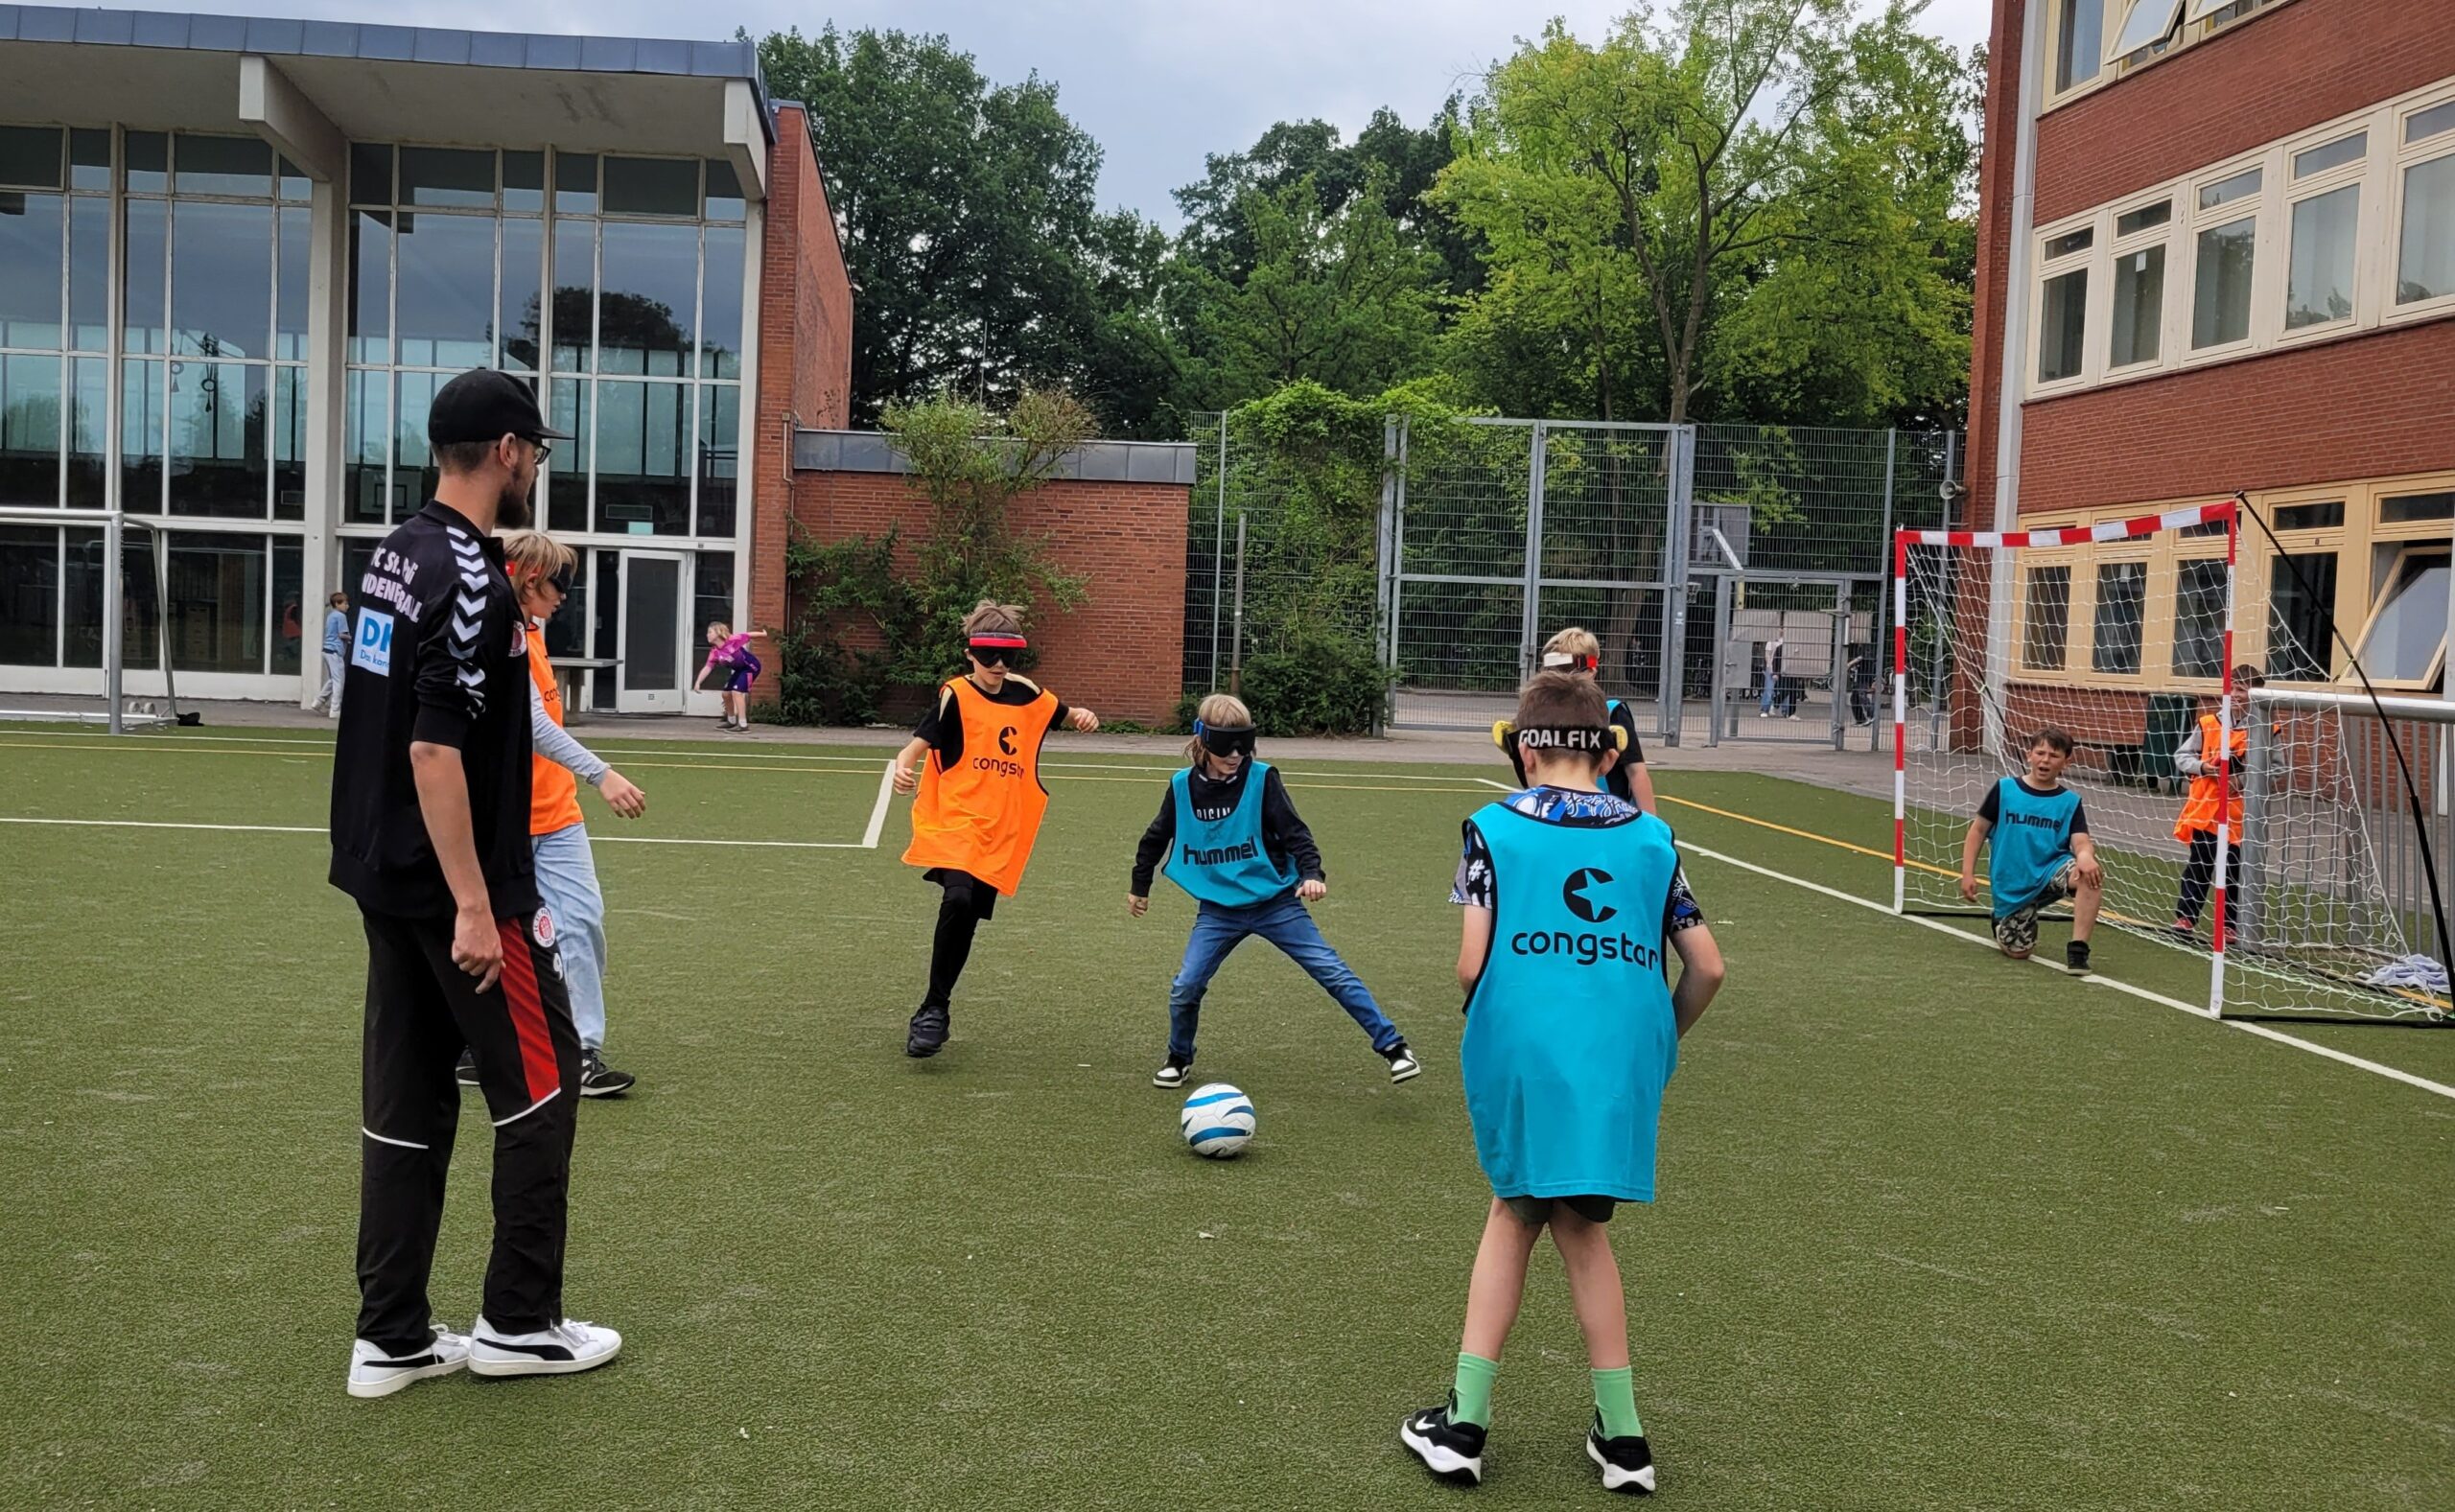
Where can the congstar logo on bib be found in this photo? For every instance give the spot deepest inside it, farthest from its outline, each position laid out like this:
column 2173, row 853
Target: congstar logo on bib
column 1582, row 894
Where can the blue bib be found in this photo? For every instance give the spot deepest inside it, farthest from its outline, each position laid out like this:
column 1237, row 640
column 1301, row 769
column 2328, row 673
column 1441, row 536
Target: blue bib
column 1570, row 1037
column 2031, row 840
column 1224, row 861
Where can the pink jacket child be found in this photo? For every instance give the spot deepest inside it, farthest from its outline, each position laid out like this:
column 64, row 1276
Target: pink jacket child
column 729, row 656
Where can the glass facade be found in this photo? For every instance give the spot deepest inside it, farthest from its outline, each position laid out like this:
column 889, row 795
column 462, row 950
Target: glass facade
column 618, row 283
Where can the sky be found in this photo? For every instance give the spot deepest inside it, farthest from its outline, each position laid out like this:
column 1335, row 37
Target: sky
column 1159, row 84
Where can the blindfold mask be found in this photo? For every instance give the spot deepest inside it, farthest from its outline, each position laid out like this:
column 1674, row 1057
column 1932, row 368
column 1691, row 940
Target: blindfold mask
column 1593, row 738
column 1238, row 741
column 1563, row 662
column 994, row 650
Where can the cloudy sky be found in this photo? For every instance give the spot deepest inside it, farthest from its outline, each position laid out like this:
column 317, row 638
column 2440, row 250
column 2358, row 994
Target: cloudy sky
column 1158, row 83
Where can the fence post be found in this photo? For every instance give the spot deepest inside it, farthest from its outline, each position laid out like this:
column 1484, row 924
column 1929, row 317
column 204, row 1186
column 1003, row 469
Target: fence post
column 1936, row 711
column 1530, row 631
column 1236, row 644
column 1385, row 568
column 1679, row 526
column 1218, row 548
column 1891, row 438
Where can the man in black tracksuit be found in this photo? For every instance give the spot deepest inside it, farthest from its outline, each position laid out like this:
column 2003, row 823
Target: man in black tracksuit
column 430, row 825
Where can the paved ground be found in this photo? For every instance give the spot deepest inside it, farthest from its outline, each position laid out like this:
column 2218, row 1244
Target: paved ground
column 1858, row 770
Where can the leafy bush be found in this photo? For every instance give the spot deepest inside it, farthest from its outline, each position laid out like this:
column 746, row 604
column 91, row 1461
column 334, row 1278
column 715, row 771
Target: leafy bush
column 1320, row 684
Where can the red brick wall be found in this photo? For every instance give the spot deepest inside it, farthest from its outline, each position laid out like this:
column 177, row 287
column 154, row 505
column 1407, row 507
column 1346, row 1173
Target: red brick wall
column 2364, row 406
column 1993, row 249
column 1122, row 654
column 2275, row 74
column 804, row 358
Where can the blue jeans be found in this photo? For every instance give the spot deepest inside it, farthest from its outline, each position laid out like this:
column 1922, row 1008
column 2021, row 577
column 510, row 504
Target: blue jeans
column 1286, row 924
column 567, row 880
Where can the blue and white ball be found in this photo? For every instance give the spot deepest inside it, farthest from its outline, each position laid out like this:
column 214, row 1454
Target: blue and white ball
column 1218, row 1121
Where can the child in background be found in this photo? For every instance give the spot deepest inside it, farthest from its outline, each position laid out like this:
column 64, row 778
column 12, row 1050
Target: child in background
column 980, row 797
column 2196, row 825
column 541, row 570
column 729, row 654
column 336, row 652
column 2040, row 852
column 1232, row 840
column 1575, row 650
column 1571, row 896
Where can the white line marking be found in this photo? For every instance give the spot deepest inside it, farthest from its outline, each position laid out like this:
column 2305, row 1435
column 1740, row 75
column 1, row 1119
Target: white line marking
column 315, row 830
column 2262, row 1030
column 1503, row 786
column 877, row 810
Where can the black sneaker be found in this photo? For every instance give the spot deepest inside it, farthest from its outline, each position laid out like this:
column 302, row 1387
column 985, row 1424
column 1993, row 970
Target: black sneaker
column 467, row 1069
column 1402, row 1062
column 928, row 1032
column 1173, row 1073
column 1453, row 1452
column 596, row 1079
column 1627, row 1463
column 2076, row 957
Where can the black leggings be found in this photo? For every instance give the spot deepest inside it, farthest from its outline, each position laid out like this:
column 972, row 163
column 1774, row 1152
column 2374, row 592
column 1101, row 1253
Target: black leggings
column 967, row 902
column 2200, row 870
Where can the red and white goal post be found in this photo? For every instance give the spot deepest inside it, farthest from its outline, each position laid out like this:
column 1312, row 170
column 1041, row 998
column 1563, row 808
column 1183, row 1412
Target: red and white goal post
column 2123, row 634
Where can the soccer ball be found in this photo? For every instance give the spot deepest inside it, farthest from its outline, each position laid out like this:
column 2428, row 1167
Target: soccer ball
column 1218, row 1121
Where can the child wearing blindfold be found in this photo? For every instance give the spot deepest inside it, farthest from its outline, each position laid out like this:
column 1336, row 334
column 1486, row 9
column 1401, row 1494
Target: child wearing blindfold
column 1227, row 834
column 1576, row 651
column 980, row 797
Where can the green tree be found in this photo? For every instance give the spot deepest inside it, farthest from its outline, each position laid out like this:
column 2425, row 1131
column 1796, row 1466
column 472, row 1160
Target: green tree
column 1764, row 194
column 972, row 231
column 1343, row 299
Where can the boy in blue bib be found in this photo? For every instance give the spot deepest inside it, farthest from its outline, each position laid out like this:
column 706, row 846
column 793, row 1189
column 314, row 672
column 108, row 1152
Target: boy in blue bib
column 1227, row 834
column 2039, row 851
column 1573, row 897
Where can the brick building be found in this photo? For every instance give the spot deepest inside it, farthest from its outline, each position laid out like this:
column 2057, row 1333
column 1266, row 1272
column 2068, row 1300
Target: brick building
column 2218, row 253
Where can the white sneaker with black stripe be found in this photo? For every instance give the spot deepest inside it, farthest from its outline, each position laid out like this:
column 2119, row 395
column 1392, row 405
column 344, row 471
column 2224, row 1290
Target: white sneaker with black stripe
column 567, row 1346
column 374, row 1373
column 1403, row 1065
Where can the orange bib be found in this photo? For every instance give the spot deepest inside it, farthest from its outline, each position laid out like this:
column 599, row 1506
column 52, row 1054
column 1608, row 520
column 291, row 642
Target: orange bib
column 2199, row 809
column 982, row 816
column 553, row 793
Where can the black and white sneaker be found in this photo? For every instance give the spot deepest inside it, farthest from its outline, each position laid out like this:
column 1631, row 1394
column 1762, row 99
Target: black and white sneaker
column 927, row 1034
column 1173, row 1073
column 567, row 1347
column 1403, row 1065
column 1627, row 1463
column 596, row 1079
column 467, row 1069
column 1453, row 1452
column 2076, row 957
column 373, row 1373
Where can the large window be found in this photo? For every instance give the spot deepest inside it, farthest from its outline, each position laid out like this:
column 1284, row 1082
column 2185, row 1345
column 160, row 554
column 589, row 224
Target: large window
column 2092, row 42
column 2199, row 618
column 2078, row 38
column 625, row 293
column 55, row 304
column 2120, row 625
column 2046, row 622
column 2347, row 227
column 2301, row 598
column 2404, row 644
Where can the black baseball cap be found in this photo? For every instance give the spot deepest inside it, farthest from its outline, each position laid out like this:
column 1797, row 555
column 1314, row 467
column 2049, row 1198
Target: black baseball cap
column 482, row 405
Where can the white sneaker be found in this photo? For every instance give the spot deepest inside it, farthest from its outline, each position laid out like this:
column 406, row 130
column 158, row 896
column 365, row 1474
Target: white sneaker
column 374, row 1374
column 567, row 1347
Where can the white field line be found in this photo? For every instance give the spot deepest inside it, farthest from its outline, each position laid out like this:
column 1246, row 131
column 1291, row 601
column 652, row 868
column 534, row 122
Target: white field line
column 713, row 759
column 2262, row 1030
column 877, row 810
column 318, row 829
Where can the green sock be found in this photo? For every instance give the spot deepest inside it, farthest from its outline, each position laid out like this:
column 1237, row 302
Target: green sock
column 1473, row 1391
column 1615, row 1398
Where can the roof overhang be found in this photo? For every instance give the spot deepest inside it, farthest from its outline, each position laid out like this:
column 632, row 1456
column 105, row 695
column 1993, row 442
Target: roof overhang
column 302, row 82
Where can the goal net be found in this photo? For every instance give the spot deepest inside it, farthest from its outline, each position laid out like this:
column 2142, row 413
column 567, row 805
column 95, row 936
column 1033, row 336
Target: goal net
column 2237, row 828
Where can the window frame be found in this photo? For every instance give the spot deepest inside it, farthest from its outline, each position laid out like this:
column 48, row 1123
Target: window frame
column 2086, row 261
column 2197, row 23
column 2405, row 550
column 2361, row 174
column 2053, row 50
column 2400, row 156
column 2161, row 234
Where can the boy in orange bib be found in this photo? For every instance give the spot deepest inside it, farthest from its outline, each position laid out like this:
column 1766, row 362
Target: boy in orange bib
column 980, row 796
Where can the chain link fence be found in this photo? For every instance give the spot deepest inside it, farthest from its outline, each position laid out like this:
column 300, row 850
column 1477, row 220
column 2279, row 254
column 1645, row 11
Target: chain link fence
column 1441, row 553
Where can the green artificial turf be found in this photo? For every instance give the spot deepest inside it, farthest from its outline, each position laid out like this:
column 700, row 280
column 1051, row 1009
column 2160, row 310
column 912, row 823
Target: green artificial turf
column 1938, row 1230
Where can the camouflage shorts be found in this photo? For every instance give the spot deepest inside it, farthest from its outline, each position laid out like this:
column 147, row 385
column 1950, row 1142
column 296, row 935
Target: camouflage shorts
column 2017, row 931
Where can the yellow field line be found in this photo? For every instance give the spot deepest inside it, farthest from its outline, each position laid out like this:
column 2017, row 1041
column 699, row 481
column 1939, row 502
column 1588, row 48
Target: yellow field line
column 1884, row 857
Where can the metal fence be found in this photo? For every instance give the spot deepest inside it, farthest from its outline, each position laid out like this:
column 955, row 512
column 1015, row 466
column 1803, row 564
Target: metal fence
column 1451, row 552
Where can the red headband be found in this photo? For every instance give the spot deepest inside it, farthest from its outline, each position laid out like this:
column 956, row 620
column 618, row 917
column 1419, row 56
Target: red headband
column 1008, row 642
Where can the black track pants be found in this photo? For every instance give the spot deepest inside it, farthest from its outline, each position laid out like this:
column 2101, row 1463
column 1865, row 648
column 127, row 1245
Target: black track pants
column 420, row 1010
